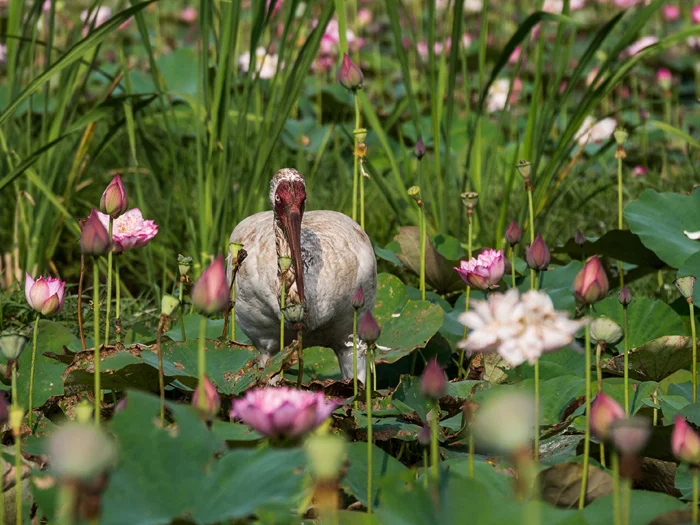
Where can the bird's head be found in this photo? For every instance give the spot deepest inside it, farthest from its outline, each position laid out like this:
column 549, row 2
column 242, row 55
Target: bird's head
column 288, row 197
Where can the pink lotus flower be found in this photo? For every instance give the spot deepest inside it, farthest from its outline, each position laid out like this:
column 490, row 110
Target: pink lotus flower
column 282, row 412
column 639, row 171
column 210, row 293
column 695, row 14
column 604, row 410
column 188, row 15
column 641, row 44
column 130, row 230
column 483, row 272
column 671, row 12
column 685, row 442
column 591, row 283
column 45, row 294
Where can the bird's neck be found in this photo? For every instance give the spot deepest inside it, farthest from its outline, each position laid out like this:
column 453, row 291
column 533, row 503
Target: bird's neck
column 289, row 277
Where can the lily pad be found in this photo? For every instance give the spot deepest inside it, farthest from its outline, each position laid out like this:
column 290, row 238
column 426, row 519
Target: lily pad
column 409, row 329
column 355, row 481
column 621, row 245
column 656, row 359
column 659, row 219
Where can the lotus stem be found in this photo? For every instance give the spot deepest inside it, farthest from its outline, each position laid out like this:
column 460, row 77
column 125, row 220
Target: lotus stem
column 283, row 292
column 161, row 379
column 118, row 310
column 471, row 455
column 15, row 400
column 425, row 468
column 434, row 421
column 65, row 503
column 96, row 315
column 512, row 266
column 422, row 232
column 354, row 357
column 619, row 212
column 182, row 311
column 18, row 478
column 537, row 411
column 31, row 372
column 586, row 444
column 300, row 353
column 626, row 371
column 202, row 362
column 356, row 160
column 80, row 302
column 462, row 371
column 626, row 501
column 109, row 284
column 374, row 370
column 695, row 349
column 368, row 408
column 233, row 309
column 599, row 381
column 695, row 472
column 616, row 487
column 532, row 227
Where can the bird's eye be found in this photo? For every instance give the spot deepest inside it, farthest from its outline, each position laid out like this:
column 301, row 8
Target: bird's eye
column 277, row 198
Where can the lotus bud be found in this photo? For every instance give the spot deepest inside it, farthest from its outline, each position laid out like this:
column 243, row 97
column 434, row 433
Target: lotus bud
column 360, row 136
column 624, row 297
column 433, row 381
column 81, row 452
column 504, row 422
column 513, row 234
column 84, row 411
column 212, row 402
column 591, row 283
column 234, row 248
column 350, row 75
column 604, row 411
column 414, row 193
column 524, row 169
column 210, row 291
column 114, row 200
column 16, row 417
column 630, row 435
column 94, row 239
column 284, row 263
column 369, row 330
column 184, row 265
column 45, row 294
column 686, row 286
column 537, row 255
column 579, row 238
column 326, row 454
column 294, row 313
column 606, row 330
column 419, row 150
column 664, row 78
column 358, row 298
column 4, row 409
column 12, row 345
column 685, row 442
column 168, row 305
column 470, row 199
column 424, row 436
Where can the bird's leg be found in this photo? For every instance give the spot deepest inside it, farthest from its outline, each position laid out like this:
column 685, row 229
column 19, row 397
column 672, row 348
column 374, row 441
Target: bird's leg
column 344, row 353
column 238, row 258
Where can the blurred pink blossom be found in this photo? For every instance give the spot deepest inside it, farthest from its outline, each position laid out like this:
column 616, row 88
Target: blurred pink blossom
column 364, row 16
column 671, row 12
column 592, row 131
column 639, row 171
column 515, row 55
column 695, row 14
column 640, row 44
column 188, row 15
column 130, row 230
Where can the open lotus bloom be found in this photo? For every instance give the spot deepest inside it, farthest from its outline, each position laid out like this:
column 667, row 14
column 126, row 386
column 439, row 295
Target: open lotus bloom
column 518, row 328
column 483, row 272
column 45, row 294
column 282, row 412
column 130, row 230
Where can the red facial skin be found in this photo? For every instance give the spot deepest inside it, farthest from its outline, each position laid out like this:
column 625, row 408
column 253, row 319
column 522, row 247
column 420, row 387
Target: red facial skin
column 290, row 199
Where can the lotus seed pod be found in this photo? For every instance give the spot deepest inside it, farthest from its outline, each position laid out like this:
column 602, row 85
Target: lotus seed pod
column 12, row 345
column 294, row 313
column 606, row 330
column 184, row 265
column 686, row 286
column 470, row 199
column 326, row 454
column 168, row 305
column 81, row 452
column 414, row 193
column 284, row 263
column 524, row 169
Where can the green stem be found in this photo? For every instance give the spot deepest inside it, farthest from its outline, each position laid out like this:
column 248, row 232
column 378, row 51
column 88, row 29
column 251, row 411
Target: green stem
column 586, row 443
column 695, row 495
column 300, row 353
column 202, row 362
column 422, row 232
column 599, row 381
column 537, row 411
column 356, row 167
column 31, row 372
column 65, row 503
column 626, row 501
column 626, row 371
column 233, row 308
column 462, row 371
column 182, row 312
column 531, row 210
column 695, row 351
column 161, row 379
column 616, row 488
column 619, row 214
column 283, row 293
column 512, row 266
column 471, row 455
column 118, row 298
column 18, row 480
column 354, row 356
column 434, row 441
column 109, row 285
column 425, row 468
column 368, row 408
column 15, row 401
column 96, row 335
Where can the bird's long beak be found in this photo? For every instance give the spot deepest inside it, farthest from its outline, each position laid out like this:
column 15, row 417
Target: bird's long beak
column 291, row 222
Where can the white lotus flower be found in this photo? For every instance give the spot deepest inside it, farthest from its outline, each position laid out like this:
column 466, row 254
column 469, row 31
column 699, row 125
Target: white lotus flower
column 592, row 131
column 265, row 63
column 518, row 328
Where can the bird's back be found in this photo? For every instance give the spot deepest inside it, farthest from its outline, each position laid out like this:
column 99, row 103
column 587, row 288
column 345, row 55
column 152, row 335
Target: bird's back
column 337, row 257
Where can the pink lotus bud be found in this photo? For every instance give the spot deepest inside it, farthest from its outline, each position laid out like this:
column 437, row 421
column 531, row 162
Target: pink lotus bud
column 483, row 272
column 671, row 12
column 212, row 402
column 630, row 435
column 210, row 291
column 424, row 436
column 664, row 78
column 114, row 201
column 4, row 409
column 513, row 233
column 45, row 294
column 369, row 330
column 419, row 150
column 537, row 255
column 94, row 239
column 695, row 14
column 579, row 238
column 350, row 75
column 591, row 283
column 624, row 297
column 685, row 442
column 639, row 171
column 433, row 382
column 358, row 298
column 604, row 410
